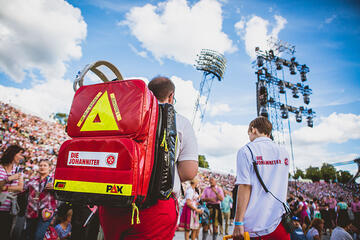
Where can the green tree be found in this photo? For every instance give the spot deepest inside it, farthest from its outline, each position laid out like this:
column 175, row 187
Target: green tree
column 328, row 172
column 343, row 176
column 313, row 173
column 202, row 162
column 61, row 118
column 299, row 173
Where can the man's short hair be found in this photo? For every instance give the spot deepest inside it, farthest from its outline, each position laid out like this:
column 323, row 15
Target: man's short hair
column 262, row 124
column 162, row 87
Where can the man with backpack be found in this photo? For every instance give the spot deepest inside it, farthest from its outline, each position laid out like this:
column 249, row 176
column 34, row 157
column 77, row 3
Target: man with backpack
column 159, row 220
column 259, row 212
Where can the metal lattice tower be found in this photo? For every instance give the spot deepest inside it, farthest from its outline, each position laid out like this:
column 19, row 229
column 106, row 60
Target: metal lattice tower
column 271, row 89
column 272, row 97
column 213, row 65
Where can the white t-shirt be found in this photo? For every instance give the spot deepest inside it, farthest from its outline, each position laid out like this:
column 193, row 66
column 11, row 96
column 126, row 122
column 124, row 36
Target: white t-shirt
column 190, row 193
column 187, row 148
column 312, row 233
column 340, row 234
column 263, row 213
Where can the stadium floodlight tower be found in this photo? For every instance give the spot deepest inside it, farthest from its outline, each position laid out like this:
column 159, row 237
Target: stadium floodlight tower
column 213, row 65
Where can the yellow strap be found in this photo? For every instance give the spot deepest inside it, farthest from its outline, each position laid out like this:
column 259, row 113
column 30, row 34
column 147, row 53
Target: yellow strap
column 135, row 208
column 163, row 142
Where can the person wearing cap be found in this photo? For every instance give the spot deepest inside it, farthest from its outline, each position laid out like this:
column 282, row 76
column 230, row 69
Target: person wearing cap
column 298, row 234
column 257, row 211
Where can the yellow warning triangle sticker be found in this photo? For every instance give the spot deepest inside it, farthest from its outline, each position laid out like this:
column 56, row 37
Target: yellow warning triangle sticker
column 102, row 110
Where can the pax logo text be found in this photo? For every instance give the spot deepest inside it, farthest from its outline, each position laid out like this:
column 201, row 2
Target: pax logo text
column 114, row 189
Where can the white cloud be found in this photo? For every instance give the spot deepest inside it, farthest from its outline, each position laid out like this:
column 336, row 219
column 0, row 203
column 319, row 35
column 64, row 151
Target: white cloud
column 42, row 99
column 185, row 95
column 311, row 145
column 222, row 138
column 177, row 31
column 255, row 32
column 39, row 35
column 336, row 128
column 218, row 109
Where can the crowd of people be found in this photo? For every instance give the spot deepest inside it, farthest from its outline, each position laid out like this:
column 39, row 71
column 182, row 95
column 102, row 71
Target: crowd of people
column 207, row 202
column 320, row 190
column 28, row 151
column 325, row 209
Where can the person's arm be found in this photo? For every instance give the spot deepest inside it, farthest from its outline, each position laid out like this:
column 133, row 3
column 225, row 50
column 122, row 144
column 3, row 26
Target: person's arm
column 191, row 206
column 3, row 182
column 19, row 187
column 187, row 169
column 243, row 180
column 187, row 162
column 243, row 197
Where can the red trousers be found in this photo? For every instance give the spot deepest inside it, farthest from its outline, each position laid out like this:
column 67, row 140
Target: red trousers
column 156, row 222
column 279, row 234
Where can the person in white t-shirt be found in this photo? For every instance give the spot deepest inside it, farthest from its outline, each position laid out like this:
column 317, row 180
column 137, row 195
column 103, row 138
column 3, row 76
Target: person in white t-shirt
column 258, row 212
column 340, row 232
column 159, row 220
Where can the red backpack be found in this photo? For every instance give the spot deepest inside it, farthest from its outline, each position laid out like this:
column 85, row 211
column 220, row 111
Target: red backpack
column 122, row 151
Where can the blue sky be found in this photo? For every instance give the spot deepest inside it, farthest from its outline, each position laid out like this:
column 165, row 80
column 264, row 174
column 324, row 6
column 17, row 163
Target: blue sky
column 43, row 45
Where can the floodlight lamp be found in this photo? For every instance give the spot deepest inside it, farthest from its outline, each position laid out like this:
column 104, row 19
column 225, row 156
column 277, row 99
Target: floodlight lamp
column 286, row 63
column 306, row 99
column 281, row 87
column 263, row 112
column 284, row 113
column 310, row 122
column 295, row 92
column 271, row 54
column 292, row 69
column 278, row 64
column 303, row 76
column 298, row 116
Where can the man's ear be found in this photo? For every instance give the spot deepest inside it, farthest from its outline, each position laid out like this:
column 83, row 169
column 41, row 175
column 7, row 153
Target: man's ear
column 254, row 131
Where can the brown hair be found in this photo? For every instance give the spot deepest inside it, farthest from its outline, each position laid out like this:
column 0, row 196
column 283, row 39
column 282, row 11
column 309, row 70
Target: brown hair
column 262, row 124
column 9, row 155
column 316, row 222
column 162, row 87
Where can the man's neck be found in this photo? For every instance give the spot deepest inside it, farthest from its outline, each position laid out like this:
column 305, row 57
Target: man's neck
column 261, row 135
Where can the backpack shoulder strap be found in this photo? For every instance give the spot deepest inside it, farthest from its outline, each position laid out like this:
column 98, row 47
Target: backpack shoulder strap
column 257, row 170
